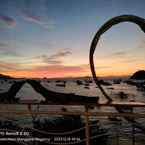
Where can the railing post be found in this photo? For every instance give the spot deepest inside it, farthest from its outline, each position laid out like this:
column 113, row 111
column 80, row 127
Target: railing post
column 87, row 129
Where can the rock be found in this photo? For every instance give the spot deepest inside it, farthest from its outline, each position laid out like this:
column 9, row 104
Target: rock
column 139, row 75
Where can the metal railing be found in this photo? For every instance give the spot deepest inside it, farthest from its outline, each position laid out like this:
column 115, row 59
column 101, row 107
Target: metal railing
column 87, row 113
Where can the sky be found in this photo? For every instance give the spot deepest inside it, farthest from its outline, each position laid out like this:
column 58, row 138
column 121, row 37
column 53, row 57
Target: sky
column 51, row 38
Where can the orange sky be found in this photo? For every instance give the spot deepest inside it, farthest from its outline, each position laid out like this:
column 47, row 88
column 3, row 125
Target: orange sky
column 120, row 71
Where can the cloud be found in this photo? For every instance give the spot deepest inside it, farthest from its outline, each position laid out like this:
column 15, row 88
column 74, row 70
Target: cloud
column 10, row 53
column 50, row 60
column 67, row 69
column 119, row 53
column 141, row 44
column 6, row 49
column 55, row 58
column 7, row 66
column 103, row 67
column 60, row 54
column 29, row 17
column 2, row 44
column 8, row 21
column 53, row 70
column 16, row 70
column 61, row 68
column 49, row 24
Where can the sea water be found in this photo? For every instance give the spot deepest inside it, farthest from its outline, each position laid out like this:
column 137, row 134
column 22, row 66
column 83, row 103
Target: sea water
column 123, row 128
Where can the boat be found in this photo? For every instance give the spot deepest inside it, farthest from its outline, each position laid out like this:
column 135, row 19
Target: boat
column 61, row 85
column 122, row 95
column 79, row 82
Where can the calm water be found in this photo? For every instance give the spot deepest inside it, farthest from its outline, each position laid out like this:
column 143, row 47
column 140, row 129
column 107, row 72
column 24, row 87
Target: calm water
column 124, row 128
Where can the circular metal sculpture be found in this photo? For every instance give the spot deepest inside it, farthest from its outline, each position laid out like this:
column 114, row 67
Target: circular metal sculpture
column 116, row 20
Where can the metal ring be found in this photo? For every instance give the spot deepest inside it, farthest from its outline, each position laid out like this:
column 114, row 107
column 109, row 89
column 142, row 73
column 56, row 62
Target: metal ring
column 116, row 20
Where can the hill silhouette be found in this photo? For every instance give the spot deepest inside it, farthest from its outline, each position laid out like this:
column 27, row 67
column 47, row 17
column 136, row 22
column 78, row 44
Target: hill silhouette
column 5, row 76
column 139, row 75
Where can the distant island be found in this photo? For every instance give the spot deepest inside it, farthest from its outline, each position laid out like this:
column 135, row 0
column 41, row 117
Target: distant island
column 139, row 75
column 5, row 77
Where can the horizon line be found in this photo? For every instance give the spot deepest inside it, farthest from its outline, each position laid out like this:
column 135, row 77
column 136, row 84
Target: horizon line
column 70, row 77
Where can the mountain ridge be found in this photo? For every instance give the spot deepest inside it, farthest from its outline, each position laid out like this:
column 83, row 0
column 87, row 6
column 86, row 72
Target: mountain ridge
column 2, row 76
column 139, row 75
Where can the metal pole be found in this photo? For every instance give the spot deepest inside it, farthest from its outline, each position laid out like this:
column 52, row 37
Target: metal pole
column 87, row 129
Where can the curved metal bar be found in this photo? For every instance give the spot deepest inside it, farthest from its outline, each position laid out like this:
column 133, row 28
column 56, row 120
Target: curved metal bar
column 9, row 96
column 61, row 98
column 116, row 20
